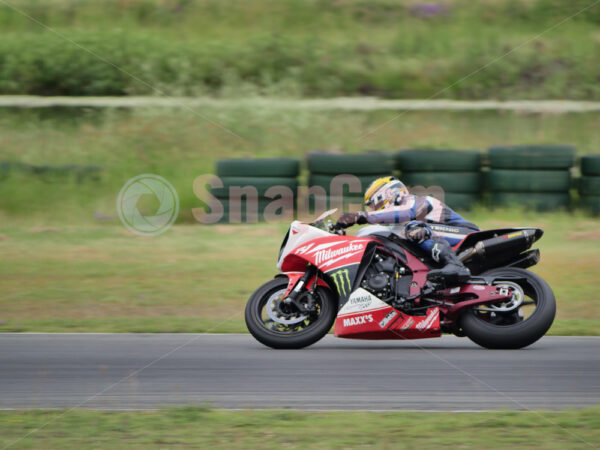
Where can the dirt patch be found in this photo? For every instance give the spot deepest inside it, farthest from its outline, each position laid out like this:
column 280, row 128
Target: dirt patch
column 260, row 232
column 230, row 229
column 587, row 235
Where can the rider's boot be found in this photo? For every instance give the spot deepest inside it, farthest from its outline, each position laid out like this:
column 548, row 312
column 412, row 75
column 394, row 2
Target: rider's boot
column 453, row 270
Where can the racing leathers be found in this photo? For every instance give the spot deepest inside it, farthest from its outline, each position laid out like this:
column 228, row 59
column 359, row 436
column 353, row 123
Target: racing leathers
column 431, row 224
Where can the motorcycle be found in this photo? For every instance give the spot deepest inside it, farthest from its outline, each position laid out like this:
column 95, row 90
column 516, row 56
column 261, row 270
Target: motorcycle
column 374, row 286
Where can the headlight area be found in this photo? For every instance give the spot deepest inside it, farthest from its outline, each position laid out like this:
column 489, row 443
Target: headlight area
column 285, row 239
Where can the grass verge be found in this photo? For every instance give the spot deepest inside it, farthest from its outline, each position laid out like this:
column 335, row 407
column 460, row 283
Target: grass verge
column 198, row 278
column 205, row 428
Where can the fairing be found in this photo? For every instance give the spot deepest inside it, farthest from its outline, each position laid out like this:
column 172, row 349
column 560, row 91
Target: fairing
column 362, row 315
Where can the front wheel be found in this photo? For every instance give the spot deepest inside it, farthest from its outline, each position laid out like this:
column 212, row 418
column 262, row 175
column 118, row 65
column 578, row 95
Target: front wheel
column 517, row 323
column 278, row 324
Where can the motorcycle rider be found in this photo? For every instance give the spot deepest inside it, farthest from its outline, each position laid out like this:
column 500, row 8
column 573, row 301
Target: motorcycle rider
column 390, row 203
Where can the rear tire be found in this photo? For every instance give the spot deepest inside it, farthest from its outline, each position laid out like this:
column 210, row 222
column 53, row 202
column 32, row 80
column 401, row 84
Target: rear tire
column 289, row 340
column 522, row 333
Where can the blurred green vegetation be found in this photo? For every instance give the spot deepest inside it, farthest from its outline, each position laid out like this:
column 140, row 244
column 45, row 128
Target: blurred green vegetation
column 385, row 48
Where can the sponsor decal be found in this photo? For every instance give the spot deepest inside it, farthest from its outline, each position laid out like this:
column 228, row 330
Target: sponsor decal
column 341, row 278
column 512, row 235
column 454, row 290
column 304, row 249
column 324, row 255
column 406, row 325
column 444, row 228
column 479, row 288
column 360, row 301
column 359, row 320
column 426, row 324
column 388, row 318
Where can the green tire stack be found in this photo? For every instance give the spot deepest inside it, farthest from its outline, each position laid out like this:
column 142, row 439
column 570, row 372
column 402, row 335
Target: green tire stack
column 589, row 184
column 325, row 193
column 535, row 176
column 456, row 172
column 262, row 175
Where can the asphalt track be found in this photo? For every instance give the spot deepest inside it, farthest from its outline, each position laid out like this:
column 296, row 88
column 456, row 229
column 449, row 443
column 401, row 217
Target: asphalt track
column 137, row 371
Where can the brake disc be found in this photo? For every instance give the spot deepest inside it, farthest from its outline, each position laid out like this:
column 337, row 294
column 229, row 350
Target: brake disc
column 275, row 313
column 504, row 288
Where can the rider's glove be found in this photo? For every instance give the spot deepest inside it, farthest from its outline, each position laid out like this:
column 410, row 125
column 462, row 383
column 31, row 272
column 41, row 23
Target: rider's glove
column 348, row 219
column 417, row 231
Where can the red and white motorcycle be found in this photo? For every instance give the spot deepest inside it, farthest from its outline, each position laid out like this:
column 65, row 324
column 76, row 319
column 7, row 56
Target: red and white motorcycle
column 374, row 286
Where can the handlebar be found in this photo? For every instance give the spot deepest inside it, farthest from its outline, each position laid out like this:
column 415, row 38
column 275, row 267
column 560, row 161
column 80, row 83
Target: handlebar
column 336, row 229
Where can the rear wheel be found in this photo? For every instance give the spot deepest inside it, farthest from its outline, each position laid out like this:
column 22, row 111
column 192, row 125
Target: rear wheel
column 517, row 323
column 279, row 324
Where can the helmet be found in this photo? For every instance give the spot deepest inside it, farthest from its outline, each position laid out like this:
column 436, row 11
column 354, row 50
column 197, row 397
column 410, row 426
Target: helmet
column 384, row 191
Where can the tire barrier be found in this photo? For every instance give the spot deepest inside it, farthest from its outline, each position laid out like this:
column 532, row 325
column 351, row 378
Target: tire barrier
column 438, row 160
column 317, row 204
column 456, row 172
column 342, row 185
column 250, row 186
column 534, row 200
column 589, row 184
column 451, row 182
column 590, row 165
column 591, row 203
column 340, row 180
column 531, row 157
column 501, row 180
column 266, row 167
column 370, row 163
column 262, row 185
column 534, row 176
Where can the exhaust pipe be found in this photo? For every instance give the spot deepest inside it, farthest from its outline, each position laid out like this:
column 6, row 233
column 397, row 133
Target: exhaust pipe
column 515, row 242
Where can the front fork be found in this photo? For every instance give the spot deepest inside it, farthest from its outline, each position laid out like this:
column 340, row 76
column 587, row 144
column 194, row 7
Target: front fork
column 292, row 295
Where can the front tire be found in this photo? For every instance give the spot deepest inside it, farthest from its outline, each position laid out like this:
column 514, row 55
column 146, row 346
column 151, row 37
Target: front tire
column 509, row 330
column 300, row 333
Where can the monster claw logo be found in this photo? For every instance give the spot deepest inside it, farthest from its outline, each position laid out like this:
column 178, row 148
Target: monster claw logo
column 342, row 280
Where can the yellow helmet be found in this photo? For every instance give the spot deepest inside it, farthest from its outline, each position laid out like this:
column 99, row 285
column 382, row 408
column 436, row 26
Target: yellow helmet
column 384, row 191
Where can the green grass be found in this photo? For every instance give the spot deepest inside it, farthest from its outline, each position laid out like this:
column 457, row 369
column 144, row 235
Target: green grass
column 69, row 265
column 180, row 145
column 197, row 278
column 202, row 427
column 300, row 48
